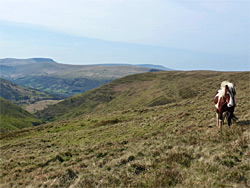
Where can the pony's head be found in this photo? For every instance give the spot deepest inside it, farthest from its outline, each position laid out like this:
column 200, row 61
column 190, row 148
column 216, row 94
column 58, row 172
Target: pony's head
column 229, row 92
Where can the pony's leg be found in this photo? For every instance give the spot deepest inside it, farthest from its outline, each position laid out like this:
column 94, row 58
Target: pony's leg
column 229, row 119
column 220, row 118
column 220, row 123
column 223, row 117
column 217, row 120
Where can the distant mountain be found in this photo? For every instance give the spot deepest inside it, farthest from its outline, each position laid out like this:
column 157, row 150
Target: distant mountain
column 66, row 80
column 150, row 66
column 159, row 67
column 13, row 117
column 14, row 61
column 23, row 96
column 18, row 68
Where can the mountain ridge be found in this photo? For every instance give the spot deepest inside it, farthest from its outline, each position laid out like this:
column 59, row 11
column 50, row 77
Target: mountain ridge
column 17, row 61
column 36, row 60
column 151, row 66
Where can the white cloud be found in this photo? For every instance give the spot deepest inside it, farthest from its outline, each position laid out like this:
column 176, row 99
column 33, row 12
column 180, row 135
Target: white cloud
column 212, row 26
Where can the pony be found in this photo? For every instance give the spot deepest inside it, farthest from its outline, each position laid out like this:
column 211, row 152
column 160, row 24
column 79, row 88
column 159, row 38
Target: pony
column 225, row 103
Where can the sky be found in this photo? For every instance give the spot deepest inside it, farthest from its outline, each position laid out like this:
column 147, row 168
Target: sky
column 178, row 34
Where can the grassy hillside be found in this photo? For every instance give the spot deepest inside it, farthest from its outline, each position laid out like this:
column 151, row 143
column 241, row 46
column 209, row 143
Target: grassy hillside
column 13, row 117
column 136, row 139
column 47, row 75
column 144, row 90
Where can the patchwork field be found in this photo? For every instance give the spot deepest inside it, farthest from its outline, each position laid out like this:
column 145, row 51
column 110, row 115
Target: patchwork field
column 146, row 130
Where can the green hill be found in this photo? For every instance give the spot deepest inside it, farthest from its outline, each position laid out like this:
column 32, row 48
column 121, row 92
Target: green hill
column 142, row 90
column 47, row 75
column 146, row 130
column 13, row 117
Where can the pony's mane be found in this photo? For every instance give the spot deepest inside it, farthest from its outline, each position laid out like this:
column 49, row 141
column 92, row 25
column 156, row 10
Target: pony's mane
column 224, row 83
column 230, row 86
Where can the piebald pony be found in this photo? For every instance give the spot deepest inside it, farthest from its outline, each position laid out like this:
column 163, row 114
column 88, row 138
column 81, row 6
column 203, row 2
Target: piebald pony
column 225, row 103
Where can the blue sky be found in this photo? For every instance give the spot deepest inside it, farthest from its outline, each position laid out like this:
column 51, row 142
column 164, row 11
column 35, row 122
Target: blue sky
column 180, row 34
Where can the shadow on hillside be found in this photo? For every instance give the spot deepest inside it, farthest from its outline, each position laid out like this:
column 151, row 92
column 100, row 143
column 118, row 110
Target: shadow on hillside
column 243, row 123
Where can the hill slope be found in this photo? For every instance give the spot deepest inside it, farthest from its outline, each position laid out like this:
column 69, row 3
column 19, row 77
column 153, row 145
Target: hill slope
column 47, row 75
column 142, row 90
column 137, row 143
column 13, row 117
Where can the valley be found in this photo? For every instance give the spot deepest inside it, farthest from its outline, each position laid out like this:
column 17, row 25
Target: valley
column 154, row 129
column 26, row 97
